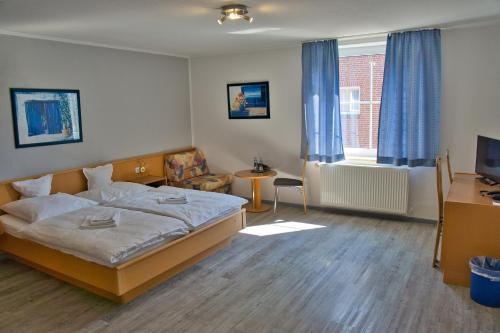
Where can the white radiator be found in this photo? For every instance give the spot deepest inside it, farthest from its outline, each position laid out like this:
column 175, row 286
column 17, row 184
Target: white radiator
column 368, row 188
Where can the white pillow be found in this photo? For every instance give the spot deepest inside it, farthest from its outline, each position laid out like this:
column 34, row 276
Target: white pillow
column 34, row 187
column 117, row 190
column 99, row 176
column 40, row 208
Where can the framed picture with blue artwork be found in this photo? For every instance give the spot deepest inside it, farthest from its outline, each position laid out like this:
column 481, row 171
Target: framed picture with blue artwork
column 46, row 116
column 248, row 100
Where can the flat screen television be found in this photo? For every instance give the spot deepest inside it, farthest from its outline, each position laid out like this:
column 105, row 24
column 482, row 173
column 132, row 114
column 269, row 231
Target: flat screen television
column 488, row 158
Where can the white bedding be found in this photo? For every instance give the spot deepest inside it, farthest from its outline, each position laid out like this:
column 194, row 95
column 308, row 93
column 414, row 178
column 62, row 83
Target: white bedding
column 135, row 232
column 113, row 191
column 201, row 208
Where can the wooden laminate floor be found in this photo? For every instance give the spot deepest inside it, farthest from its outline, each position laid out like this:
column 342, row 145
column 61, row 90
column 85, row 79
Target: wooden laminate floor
column 316, row 273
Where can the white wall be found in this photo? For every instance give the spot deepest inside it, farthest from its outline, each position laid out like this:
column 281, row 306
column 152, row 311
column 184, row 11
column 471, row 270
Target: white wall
column 132, row 103
column 471, row 83
column 471, row 91
column 231, row 145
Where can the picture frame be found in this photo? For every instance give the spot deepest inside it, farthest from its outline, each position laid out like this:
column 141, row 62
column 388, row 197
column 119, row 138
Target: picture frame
column 43, row 117
column 249, row 100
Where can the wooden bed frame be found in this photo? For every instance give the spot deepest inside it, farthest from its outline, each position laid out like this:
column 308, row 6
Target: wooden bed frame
column 132, row 278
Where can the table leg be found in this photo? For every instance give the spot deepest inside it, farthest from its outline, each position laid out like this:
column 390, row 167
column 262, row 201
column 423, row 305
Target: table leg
column 256, row 205
column 256, row 199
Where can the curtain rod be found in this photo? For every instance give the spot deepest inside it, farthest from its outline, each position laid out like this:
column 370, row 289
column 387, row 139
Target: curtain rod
column 385, row 33
column 363, row 36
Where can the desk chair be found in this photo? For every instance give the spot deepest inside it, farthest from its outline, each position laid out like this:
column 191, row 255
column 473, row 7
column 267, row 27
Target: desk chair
column 439, row 225
column 450, row 174
column 291, row 182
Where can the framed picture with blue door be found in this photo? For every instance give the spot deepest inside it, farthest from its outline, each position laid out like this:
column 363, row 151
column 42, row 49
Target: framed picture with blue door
column 46, row 116
column 248, row 100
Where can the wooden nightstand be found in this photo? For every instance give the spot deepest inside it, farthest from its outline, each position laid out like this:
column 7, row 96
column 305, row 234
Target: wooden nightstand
column 150, row 180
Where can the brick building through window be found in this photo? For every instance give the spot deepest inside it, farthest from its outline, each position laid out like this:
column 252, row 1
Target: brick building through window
column 361, row 78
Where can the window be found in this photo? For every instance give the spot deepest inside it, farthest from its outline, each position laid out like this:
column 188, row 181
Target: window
column 361, row 69
column 349, row 100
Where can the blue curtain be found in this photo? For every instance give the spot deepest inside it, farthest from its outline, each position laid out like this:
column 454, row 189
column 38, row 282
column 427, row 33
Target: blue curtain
column 321, row 130
column 411, row 99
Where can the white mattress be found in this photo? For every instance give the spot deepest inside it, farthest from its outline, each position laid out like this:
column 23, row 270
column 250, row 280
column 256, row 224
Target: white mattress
column 202, row 207
column 13, row 225
column 136, row 233
column 217, row 218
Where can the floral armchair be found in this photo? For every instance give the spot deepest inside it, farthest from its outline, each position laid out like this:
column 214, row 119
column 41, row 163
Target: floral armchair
column 190, row 170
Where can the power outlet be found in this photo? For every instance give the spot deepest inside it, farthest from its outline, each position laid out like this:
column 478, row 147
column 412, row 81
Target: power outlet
column 137, row 170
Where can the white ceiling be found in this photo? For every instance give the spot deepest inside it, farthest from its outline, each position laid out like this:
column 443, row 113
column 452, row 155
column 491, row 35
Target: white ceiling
column 189, row 27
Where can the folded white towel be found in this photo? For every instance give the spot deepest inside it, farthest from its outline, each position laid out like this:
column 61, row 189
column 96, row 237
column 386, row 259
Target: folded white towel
column 85, row 225
column 173, row 199
column 173, row 196
column 93, row 222
column 100, row 222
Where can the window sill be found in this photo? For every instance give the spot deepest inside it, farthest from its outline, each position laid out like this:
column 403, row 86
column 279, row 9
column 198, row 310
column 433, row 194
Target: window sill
column 364, row 162
column 360, row 160
column 370, row 161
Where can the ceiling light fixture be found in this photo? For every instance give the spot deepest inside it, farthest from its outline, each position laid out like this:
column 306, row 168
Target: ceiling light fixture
column 234, row 12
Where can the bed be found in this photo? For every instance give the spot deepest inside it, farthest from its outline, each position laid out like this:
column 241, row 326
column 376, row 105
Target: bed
column 136, row 233
column 201, row 209
column 128, row 277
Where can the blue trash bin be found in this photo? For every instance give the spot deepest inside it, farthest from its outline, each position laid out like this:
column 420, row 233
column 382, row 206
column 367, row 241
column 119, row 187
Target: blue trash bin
column 485, row 281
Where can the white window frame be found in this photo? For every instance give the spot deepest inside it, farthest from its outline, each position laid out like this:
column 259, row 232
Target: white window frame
column 351, row 101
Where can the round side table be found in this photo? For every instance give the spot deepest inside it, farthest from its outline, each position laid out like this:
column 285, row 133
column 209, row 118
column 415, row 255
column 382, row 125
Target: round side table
column 256, row 206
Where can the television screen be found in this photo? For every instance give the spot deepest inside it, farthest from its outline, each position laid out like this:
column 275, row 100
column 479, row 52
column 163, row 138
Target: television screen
column 488, row 158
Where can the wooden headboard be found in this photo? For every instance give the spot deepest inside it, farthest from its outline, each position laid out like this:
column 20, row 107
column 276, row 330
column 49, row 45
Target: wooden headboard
column 73, row 181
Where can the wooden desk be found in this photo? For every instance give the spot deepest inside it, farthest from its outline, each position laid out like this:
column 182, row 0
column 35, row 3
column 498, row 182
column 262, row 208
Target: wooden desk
column 471, row 228
column 256, row 206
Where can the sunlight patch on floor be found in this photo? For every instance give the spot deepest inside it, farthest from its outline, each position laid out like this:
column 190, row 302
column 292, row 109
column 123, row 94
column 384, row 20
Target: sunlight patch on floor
column 279, row 228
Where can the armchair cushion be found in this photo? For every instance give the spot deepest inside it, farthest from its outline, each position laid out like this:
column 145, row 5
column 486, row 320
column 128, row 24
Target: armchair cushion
column 186, row 165
column 209, row 182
